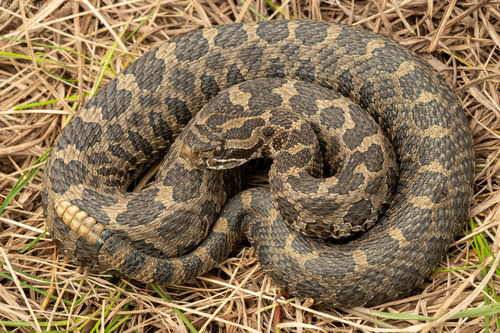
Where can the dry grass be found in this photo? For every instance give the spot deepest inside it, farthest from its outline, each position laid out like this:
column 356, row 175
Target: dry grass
column 59, row 50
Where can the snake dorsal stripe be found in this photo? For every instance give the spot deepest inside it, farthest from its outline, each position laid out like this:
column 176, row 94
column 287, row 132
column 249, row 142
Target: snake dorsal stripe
column 183, row 224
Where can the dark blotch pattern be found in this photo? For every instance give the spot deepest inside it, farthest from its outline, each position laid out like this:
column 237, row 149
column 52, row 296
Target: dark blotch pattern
column 183, row 191
column 209, row 87
column 333, row 116
column 287, row 160
column 148, row 71
column 311, row 33
column 94, row 203
column 305, row 72
column 366, row 94
column 82, row 135
column 388, row 51
column 165, row 271
column 439, row 146
column 87, row 256
column 245, row 131
column 145, row 247
column 353, row 41
column 358, row 212
column 264, row 99
column 282, row 121
column 98, row 158
column 216, row 61
column 132, row 265
column 107, row 171
column 148, row 100
column 134, row 215
column 159, row 125
column 178, row 108
column 111, row 102
column 305, row 106
column 389, row 256
column 386, row 90
column 291, row 51
column 119, row 152
column 345, row 83
column 328, row 60
column 114, row 133
column 183, row 79
column 170, row 232
column 230, row 36
column 233, row 75
column 276, row 68
column 439, row 189
column 374, row 158
column 251, row 56
column 348, row 182
column 424, row 115
column 194, row 42
column 273, row 32
column 418, row 215
column 413, row 85
column 140, row 143
column 315, row 288
column 75, row 172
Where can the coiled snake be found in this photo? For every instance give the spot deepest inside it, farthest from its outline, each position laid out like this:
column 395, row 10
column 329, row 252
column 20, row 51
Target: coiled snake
column 189, row 219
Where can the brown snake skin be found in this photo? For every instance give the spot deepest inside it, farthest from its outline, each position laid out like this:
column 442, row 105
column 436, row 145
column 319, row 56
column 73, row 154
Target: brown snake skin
column 188, row 219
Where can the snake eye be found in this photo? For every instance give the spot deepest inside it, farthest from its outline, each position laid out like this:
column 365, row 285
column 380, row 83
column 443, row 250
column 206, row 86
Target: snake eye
column 219, row 149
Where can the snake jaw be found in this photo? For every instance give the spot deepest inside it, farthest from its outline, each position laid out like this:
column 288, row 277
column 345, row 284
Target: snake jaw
column 205, row 150
column 207, row 159
column 208, row 155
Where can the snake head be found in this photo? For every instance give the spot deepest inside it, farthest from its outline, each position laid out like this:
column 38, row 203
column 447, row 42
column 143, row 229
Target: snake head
column 201, row 152
column 204, row 149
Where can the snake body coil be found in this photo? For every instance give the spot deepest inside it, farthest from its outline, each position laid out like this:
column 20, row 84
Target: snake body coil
column 134, row 119
column 288, row 127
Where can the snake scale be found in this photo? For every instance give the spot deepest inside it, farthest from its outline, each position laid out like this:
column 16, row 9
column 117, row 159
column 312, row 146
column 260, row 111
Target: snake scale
column 189, row 219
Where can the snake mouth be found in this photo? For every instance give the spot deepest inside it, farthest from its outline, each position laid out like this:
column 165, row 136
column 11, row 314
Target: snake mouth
column 198, row 159
column 223, row 164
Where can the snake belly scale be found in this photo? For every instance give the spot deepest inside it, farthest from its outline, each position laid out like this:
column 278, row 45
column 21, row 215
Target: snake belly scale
column 135, row 118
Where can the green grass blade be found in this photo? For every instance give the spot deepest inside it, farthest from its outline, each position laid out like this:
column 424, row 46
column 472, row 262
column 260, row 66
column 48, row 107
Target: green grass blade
column 50, row 47
column 485, row 310
column 27, row 247
column 179, row 313
column 52, row 101
column 140, row 25
column 10, row 55
column 401, row 316
column 254, row 11
column 20, row 184
column 24, row 284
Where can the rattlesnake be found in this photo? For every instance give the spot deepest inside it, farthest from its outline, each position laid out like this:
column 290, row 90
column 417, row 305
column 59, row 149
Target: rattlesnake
column 164, row 234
